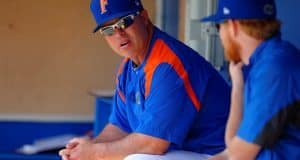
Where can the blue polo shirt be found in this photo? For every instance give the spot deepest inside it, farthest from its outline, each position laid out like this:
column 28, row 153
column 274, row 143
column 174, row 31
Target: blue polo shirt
column 271, row 116
column 175, row 95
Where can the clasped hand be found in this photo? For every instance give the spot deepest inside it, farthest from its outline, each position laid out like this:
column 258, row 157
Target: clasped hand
column 78, row 149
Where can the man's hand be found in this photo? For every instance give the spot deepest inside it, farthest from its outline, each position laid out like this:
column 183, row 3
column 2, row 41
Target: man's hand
column 237, row 101
column 83, row 150
column 65, row 153
column 78, row 149
column 220, row 156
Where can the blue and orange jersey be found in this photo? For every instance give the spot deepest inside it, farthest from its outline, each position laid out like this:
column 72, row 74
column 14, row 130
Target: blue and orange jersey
column 175, row 95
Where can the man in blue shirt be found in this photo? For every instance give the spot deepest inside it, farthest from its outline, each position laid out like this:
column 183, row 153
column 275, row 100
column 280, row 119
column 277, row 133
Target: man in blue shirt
column 264, row 121
column 169, row 104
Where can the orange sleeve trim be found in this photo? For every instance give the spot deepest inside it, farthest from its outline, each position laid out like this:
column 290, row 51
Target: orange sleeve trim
column 122, row 96
column 120, row 71
column 121, row 68
column 161, row 53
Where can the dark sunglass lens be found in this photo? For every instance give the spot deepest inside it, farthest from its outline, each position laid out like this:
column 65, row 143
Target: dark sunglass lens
column 107, row 31
column 126, row 22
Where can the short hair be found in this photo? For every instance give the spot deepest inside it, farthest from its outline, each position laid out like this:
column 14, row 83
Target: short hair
column 261, row 29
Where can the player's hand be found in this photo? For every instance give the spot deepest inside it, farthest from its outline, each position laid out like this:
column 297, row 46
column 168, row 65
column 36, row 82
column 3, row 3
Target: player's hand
column 83, row 150
column 220, row 156
column 71, row 145
column 65, row 153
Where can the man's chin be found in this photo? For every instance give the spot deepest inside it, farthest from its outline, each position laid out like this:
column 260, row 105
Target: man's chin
column 236, row 61
column 233, row 58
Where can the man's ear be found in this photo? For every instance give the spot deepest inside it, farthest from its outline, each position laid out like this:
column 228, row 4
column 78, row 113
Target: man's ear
column 144, row 15
column 233, row 27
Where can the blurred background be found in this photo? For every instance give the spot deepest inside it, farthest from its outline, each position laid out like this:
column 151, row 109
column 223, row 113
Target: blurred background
column 49, row 58
column 51, row 62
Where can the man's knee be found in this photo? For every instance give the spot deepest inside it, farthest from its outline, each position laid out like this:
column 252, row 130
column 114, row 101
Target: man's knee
column 141, row 157
column 173, row 155
column 131, row 157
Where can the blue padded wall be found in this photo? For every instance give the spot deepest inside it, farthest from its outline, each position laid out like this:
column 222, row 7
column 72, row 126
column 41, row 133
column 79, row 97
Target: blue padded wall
column 289, row 14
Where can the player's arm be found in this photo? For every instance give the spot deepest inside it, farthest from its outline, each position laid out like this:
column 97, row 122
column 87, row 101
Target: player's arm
column 134, row 143
column 110, row 133
column 237, row 148
column 240, row 149
column 235, row 115
column 236, row 106
column 118, row 150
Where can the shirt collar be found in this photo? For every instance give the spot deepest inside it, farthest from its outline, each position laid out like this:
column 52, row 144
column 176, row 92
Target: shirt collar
column 259, row 51
column 257, row 54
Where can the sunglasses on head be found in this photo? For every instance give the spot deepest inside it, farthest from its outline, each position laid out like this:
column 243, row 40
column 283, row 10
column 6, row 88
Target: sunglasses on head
column 122, row 23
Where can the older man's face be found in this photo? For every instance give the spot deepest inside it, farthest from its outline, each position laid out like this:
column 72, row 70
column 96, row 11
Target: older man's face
column 132, row 41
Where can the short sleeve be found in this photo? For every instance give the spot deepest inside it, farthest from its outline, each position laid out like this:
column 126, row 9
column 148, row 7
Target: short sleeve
column 267, row 93
column 118, row 116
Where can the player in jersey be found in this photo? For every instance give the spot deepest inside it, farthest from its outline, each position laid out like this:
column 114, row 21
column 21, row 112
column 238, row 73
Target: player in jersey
column 264, row 121
column 169, row 104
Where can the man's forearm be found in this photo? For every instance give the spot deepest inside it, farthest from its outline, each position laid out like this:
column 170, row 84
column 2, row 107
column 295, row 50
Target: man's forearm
column 235, row 116
column 109, row 134
column 131, row 144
